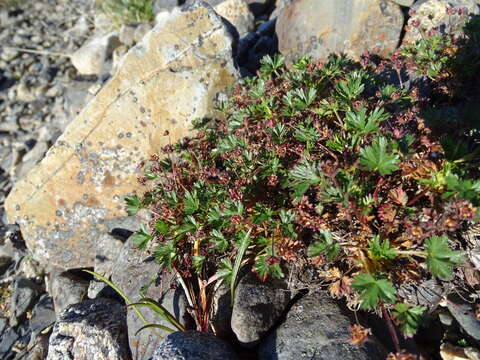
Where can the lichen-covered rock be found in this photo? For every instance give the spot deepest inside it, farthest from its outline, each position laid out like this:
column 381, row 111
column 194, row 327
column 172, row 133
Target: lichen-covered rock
column 315, row 329
column 429, row 14
column 93, row 329
column 136, row 272
column 256, row 308
column 319, row 28
column 193, row 345
column 163, row 83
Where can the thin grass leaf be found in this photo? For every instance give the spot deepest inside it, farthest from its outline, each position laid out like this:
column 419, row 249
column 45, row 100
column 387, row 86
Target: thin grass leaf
column 160, row 310
column 156, row 326
column 238, row 261
column 119, row 292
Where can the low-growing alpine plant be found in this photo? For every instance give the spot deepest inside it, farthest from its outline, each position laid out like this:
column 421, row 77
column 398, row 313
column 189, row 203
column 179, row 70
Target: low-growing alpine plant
column 324, row 161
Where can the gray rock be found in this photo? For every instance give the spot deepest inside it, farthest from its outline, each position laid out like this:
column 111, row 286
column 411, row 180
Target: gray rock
column 316, row 329
column 162, row 5
column 67, row 289
column 141, row 31
column 133, row 273
column 257, row 307
column 465, row 316
column 320, row 28
column 7, row 255
column 126, row 34
column 94, row 329
column 108, row 249
column 406, row 3
column 25, row 292
column 193, row 345
column 7, row 339
column 221, row 313
column 90, row 59
column 237, row 13
column 43, row 315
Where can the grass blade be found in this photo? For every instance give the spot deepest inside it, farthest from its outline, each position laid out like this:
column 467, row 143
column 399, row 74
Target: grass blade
column 156, row 326
column 238, row 261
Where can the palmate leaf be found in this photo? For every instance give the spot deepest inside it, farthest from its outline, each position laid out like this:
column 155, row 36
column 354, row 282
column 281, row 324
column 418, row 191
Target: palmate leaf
column 325, row 244
column 191, row 203
column 440, row 258
column 304, row 175
column 141, row 238
column 358, row 121
column 409, row 317
column 265, row 268
column 381, row 250
column 372, row 290
column 376, row 157
column 133, row 204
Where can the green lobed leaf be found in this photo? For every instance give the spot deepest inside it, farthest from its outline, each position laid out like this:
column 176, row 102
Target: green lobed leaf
column 324, row 245
column 376, row 157
column 372, row 291
column 409, row 317
column 440, row 258
column 141, row 238
column 133, row 204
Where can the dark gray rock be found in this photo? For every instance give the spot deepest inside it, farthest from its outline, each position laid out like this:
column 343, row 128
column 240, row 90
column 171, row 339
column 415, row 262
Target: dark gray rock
column 108, row 248
column 7, row 339
column 136, row 273
column 465, row 316
column 315, row 329
column 94, row 329
column 66, row 289
column 258, row 7
column 43, row 315
column 25, row 292
column 221, row 313
column 193, row 345
column 257, row 307
column 320, row 28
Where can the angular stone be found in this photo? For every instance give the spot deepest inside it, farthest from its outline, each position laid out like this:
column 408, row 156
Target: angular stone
column 94, row 329
column 316, row 328
column 193, row 345
column 67, row 289
column 135, row 272
column 238, row 14
column 319, row 28
column 256, row 308
column 91, row 57
column 108, row 249
column 169, row 79
column 433, row 14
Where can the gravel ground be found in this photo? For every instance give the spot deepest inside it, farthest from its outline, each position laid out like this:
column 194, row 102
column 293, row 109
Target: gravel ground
column 40, row 91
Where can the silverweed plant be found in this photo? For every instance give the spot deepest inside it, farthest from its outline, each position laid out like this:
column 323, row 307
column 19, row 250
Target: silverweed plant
column 330, row 163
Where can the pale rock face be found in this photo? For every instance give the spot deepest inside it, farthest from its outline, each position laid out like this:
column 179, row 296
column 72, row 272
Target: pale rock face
column 90, row 58
column 320, row 28
column 431, row 14
column 169, row 79
column 238, row 14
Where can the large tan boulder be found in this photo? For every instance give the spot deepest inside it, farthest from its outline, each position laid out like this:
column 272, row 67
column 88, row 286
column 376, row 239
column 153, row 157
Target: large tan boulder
column 169, row 79
column 319, row 28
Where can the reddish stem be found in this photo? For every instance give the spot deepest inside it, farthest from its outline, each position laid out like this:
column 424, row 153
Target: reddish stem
column 391, row 328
